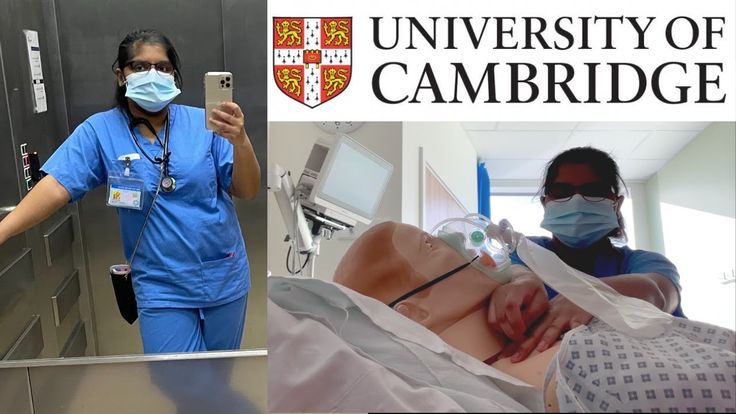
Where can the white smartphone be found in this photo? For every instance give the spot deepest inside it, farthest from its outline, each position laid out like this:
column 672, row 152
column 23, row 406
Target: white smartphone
column 218, row 88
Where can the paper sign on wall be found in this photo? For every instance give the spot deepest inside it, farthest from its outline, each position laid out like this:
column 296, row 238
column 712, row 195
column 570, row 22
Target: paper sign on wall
column 34, row 62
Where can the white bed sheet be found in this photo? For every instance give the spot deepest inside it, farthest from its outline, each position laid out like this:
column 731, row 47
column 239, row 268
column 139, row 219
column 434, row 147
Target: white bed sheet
column 333, row 349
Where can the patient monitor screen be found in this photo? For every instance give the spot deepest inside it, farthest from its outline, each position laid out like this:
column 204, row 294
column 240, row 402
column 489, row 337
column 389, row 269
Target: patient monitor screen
column 356, row 180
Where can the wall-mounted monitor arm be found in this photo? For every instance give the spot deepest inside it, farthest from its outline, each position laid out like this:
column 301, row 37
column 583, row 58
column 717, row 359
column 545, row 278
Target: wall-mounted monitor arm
column 341, row 185
column 282, row 187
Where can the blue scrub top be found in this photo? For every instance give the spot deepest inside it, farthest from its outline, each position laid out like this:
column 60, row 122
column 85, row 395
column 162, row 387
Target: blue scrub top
column 621, row 260
column 192, row 253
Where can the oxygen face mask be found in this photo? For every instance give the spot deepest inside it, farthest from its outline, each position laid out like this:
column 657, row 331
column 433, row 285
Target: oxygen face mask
column 485, row 245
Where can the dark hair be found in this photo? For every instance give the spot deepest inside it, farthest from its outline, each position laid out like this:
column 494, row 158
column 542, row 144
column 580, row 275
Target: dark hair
column 127, row 48
column 603, row 166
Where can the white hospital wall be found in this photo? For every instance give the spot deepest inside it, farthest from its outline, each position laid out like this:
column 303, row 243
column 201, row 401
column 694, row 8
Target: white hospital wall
column 451, row 155
column 289, row 145
column 701, row 177
column 692, row 213
column 639, row 229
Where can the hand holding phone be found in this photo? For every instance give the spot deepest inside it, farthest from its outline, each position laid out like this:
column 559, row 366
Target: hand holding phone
column 218, row 88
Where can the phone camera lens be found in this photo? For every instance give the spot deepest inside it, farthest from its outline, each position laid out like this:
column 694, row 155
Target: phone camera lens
column 227, row 85
column 227, row 79
column 222, row 82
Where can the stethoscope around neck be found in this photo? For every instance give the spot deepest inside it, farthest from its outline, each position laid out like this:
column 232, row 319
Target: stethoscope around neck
column 167, row 183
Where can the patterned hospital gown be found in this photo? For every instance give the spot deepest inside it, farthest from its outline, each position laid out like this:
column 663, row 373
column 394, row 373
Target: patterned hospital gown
column 692, row 368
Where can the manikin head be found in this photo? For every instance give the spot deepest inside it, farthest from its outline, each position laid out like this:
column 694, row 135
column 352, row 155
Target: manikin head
column 391, row 259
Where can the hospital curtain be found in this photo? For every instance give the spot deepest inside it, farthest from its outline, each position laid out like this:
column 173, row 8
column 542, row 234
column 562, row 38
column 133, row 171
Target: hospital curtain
column 484, row 190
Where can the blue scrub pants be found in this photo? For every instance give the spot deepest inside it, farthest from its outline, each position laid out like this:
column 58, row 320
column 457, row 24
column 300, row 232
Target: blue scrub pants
column 193, row 329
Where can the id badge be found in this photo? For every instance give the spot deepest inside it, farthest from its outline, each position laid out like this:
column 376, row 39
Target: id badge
column 125, row 192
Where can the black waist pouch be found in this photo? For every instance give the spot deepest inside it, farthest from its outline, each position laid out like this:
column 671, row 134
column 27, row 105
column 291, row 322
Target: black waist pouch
column 122, row 284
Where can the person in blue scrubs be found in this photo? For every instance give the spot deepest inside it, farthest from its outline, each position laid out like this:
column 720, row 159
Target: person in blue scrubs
column 172, row 182
column 582, row 209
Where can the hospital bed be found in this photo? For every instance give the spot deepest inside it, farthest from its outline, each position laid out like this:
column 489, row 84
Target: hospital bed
column 333, row 349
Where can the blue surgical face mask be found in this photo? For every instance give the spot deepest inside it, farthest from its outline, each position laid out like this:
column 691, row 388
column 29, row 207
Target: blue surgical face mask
column 580, row 223
column 151, row 90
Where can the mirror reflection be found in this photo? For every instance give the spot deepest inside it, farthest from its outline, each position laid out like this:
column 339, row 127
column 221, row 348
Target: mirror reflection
column 130, row 179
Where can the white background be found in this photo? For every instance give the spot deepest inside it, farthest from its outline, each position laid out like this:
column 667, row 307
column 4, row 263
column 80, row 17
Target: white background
column 359, row 102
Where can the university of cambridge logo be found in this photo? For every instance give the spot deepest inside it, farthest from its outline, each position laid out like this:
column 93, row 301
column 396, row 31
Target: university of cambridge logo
column 312, row 57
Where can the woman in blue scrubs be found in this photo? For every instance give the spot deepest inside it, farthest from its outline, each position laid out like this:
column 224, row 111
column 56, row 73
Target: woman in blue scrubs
column 172, row 182
column 582, row 209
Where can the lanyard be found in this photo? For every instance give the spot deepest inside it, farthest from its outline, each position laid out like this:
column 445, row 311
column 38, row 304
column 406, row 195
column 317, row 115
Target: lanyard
column 167, row 182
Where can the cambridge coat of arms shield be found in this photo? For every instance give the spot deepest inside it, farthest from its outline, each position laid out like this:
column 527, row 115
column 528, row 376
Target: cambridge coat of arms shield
column 312, row 57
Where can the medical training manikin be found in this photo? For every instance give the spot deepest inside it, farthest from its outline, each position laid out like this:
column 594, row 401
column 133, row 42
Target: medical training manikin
column 631, row 357
column 391, row 259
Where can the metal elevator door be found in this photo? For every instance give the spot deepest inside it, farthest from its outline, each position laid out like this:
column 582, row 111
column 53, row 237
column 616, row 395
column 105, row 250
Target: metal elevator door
column 44, row 296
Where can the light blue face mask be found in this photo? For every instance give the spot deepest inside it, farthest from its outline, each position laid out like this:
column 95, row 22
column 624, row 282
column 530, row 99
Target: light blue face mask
column 151, row 90
column 580, row 223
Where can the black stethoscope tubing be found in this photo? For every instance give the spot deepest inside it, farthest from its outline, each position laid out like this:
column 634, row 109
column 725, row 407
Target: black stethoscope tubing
column 168, row 184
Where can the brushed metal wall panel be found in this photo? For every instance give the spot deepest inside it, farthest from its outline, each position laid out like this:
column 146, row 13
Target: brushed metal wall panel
column 9, row 190
column 66, row 297
column 194, row 27
column 42, row 132
column 234, row 384
column 58, row 240
column 15, row 394
column 245, row 26
column 76, row 345
column 15, row 280
column 30, row 343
